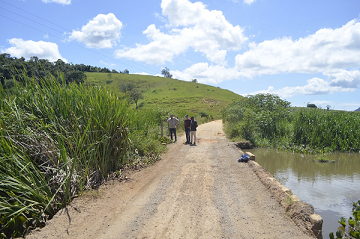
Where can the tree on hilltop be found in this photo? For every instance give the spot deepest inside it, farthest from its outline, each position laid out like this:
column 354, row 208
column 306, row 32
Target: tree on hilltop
column 166, row 73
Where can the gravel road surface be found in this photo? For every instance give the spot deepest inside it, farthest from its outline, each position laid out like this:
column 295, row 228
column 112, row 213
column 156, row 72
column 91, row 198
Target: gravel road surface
column 193, row 192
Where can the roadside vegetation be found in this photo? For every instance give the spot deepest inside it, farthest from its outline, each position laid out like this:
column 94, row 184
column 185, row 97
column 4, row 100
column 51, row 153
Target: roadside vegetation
column 58, row 139
column 268, row 121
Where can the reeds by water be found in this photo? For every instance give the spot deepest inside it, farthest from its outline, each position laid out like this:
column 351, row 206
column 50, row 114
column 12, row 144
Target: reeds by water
column 330, row 130
column 306, row 130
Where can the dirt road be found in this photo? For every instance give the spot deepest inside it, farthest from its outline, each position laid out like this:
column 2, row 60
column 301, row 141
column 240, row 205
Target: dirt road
column 193, row 192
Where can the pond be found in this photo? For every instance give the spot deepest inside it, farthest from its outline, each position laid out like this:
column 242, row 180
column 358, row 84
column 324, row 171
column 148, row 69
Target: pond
column 329, row 187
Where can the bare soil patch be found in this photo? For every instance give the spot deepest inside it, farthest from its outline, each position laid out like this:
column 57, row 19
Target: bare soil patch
column 193, row 192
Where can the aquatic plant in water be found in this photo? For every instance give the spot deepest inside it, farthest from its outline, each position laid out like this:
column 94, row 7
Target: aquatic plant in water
column 350, row 228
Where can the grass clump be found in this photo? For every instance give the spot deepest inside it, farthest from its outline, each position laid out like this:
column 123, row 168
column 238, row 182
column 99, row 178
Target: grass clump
column 321, row 159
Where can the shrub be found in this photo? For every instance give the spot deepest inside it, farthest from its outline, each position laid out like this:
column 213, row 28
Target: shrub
column 259, row 116
column 311, row 106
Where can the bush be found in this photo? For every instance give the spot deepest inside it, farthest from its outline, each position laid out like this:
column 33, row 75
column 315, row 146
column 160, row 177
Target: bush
column 311, row 106
column 203, row 114
column 258, row 117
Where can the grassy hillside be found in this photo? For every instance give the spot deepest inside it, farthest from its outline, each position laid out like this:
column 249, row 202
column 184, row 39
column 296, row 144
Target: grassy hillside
column 179, row 97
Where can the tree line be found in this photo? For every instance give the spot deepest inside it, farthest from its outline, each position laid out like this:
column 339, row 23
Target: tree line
column 12, row 67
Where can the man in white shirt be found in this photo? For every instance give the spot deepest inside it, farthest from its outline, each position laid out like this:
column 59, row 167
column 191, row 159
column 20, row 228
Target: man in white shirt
column 172, row 122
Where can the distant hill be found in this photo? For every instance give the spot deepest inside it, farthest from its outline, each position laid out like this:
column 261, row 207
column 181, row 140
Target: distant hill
column 358, row 109
column 179, row 97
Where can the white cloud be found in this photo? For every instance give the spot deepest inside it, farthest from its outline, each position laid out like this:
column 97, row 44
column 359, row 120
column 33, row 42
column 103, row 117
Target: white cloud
column 107, row 64
column 249, row 1
column 160, row 17
column 190, row 25
column 205, row 73
column 325, row 50
column 64, row 2
column 314, row 86
column 27, row 49
column 334, row 105
column 345, row 79
column 101, row 32
column 333, row 52
column 162, row 49
column 245, row 1
column 142, row 73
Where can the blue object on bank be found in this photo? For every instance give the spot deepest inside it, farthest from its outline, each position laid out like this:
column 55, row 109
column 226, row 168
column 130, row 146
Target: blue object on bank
column 244, row 158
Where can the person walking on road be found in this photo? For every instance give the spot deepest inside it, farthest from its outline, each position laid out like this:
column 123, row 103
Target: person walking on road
column 172, row 121
column 187, row 122
column 193, row 126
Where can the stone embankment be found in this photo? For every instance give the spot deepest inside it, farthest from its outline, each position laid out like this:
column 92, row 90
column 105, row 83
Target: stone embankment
column 300, row 212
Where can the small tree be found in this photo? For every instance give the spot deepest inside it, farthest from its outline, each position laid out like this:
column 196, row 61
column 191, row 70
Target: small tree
column 135, row 95
column 76, row 76
column 126, row 87
column 106, row 70
column 166, row 73
column 194, row 80
column 132, row 91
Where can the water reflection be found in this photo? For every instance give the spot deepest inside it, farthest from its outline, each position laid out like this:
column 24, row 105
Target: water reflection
column 329, row 187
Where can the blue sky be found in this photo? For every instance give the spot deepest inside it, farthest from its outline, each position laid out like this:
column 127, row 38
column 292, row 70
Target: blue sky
column 303, row 51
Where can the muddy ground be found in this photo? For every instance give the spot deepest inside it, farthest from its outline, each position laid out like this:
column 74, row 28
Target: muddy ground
column 197, row 191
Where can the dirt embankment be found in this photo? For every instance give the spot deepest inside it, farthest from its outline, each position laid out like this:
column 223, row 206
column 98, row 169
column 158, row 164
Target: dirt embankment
column 300, row 212
column 193, row 192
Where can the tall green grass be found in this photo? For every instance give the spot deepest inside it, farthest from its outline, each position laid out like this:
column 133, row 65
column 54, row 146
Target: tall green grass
column 267, row 121
column 329, row 130
column 57, row 140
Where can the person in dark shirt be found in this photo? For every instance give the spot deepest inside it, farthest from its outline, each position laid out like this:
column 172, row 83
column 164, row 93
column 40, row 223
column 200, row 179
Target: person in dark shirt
column 187, row 122
column 193, row 126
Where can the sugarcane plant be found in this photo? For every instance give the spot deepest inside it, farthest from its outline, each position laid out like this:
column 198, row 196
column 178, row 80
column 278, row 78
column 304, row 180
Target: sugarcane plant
column 59, row 139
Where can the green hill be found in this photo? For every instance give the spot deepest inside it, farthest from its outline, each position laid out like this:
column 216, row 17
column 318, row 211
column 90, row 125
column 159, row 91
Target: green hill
column 171, row 95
